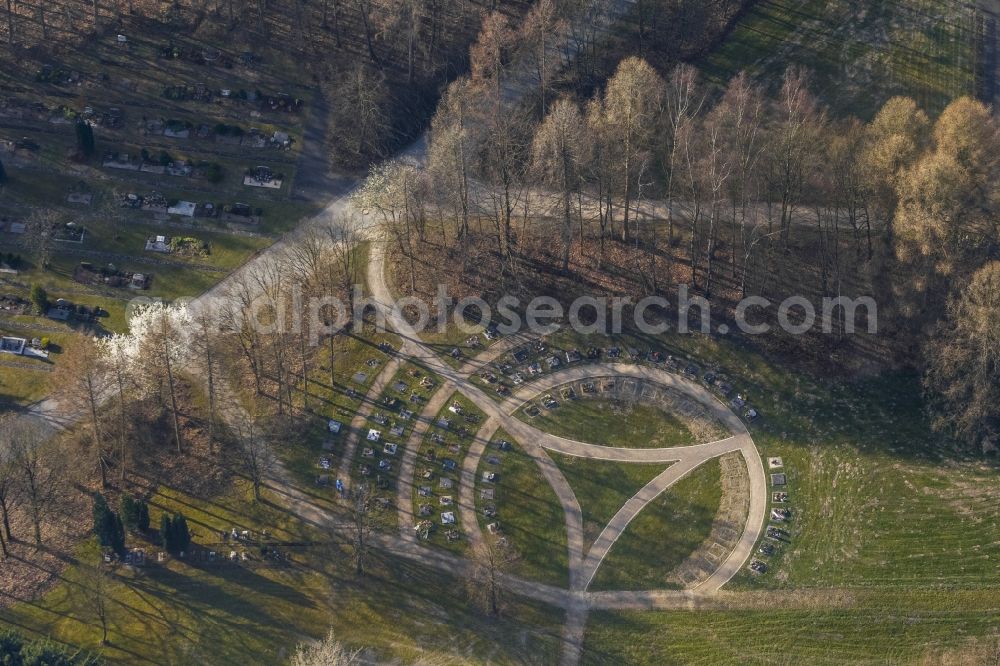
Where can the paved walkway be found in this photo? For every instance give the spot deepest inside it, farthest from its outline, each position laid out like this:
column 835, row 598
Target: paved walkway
column 583, row 563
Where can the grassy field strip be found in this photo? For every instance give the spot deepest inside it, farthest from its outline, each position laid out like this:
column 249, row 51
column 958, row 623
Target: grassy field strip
column 528, row 511
column 338, row 401
column 777, row 634
column 614, row 423
column 437, row 483
column 664, row 535
column 603, row 487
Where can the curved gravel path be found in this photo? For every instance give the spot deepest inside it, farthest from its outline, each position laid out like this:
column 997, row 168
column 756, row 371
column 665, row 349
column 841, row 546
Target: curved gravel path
column 584, row 564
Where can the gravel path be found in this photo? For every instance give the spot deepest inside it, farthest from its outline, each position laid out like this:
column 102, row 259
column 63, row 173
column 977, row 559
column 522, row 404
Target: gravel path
column 583, row 564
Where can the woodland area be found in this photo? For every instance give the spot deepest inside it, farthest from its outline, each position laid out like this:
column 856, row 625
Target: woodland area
column 658, row 180
column 379, row 63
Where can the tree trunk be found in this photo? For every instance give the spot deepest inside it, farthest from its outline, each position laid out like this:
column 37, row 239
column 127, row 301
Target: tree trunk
column 333, row 373
column 305, row 372
column 10, row 23
column 368, row 32
column 5, row 514
column 711, row 251
column 210, row 371
column 95, row 425
column 567, row 227
column 173, row 397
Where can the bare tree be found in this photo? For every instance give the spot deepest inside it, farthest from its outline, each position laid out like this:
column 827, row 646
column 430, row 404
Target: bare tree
column 491, row 560
column 601, row 173
column 204, row 343
column 963, row 361
column 388, row 192
column 164, row 351
column 894, row 140
column 359, row 122
column 95, row 589
column 944, row 229
column 8, row 478
column 489, row 56
column 504, row 164
column 716, row 170
column 792, row 142
column 682, row 104
column 270, row 277
column 541, row 35
column 362, row 524
column 37, row 472
column 741, row 112
column 558, row 152
column 10, row 23
column 365, row 8
column 342, row 272
column 632, row 104
column 83, row 376
column 123, row 383
column 455, row 141
column 236, row 318
column 254, row 447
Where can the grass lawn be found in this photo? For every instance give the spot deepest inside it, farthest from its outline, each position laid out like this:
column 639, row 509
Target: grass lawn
column 860, row 54
column 222, row 613
column 227, row 251
column 440, row 461
column 529, row 513
column 32, row 378
column 876, row 497
column 602, row 487
column 664, row 534
column 21, row 386
column 612, row 423
column 881, row 634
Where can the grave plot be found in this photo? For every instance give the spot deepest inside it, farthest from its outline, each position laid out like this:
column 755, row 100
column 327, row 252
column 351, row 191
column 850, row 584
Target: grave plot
column 80, row 194
column 111, row 276
column 12, row 304
column 455, row 345
column 337, row 403
column 377, row 460
column 438, row 474
column 264, row 177
column 522, row 508
column 68, row 232
column 182, row 246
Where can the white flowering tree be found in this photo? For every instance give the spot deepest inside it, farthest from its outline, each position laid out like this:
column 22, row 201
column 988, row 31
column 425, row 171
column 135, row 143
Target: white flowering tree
column 144, row 362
